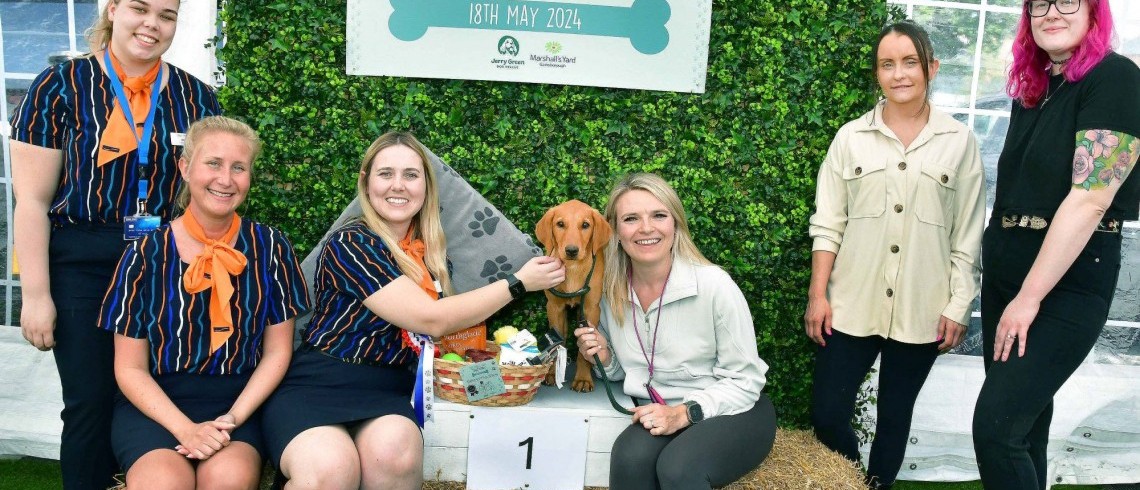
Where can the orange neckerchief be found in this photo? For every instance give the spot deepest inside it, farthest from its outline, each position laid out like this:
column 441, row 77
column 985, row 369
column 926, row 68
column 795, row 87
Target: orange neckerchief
column 117, row 139
column 212, row 269
column 415, row 249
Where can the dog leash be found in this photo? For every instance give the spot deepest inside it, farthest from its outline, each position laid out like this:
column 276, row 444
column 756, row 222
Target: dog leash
column 581, row 322
column 601, row 370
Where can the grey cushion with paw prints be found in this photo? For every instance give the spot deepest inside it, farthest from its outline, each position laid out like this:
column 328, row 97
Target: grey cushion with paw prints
column 482, row 245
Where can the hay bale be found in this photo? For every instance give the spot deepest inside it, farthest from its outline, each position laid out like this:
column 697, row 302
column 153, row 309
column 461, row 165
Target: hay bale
column 798, row 461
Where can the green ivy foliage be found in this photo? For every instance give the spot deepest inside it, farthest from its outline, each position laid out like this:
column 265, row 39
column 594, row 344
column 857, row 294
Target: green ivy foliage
column 782, row 78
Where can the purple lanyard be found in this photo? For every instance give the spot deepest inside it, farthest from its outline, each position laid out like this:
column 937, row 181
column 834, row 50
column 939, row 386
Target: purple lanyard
column 650, row 356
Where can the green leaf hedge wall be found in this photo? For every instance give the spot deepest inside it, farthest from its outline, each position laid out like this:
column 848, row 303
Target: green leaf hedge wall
column 782, row 78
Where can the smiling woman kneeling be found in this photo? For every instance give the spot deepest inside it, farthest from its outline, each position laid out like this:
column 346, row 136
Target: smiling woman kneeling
column 341, row 419
column 679, row 330
column 204, row 310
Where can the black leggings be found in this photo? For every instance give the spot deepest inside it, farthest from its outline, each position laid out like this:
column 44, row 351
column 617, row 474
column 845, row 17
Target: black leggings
column 715, row 452
column 840, row 369
column 1015, row 406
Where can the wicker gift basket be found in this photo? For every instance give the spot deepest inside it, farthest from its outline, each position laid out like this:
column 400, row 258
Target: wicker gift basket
column 522, row 383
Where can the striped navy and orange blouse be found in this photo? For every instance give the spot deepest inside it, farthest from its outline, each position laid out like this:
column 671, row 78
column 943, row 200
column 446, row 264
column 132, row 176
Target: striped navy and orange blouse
column 146, row 300
column 353, row 265
column 67, row 108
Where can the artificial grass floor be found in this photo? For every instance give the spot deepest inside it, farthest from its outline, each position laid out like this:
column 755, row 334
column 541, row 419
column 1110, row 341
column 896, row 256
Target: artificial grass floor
column 42, row 474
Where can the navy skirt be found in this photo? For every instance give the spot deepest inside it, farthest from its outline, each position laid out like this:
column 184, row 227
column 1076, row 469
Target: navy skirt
column 319, row 390
column 200, row 397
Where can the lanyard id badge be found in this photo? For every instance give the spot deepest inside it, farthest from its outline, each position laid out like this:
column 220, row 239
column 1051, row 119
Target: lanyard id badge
column 138, row 225
column 141, row 223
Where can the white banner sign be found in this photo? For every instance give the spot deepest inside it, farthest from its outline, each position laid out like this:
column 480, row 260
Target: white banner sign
column 638, row 44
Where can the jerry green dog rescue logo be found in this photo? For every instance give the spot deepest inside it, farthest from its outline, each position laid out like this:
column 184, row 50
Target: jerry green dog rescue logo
column 508, row 46
column 643, row 22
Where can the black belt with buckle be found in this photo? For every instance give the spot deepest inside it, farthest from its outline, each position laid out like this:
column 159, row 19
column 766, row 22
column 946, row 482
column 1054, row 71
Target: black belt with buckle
column 1109, row 225
column 1024, row 221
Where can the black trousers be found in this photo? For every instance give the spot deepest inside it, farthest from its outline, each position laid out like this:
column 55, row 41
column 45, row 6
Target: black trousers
column 1015, row 406
column 715, row 452
column 82, row 259
column 840, row 369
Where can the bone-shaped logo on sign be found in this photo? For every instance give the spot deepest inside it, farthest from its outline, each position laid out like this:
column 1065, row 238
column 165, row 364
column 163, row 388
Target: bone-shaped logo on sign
column 643, row 23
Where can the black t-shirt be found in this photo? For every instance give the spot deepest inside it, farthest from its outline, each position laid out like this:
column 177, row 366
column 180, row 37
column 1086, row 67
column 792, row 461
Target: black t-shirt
column 1035, row 170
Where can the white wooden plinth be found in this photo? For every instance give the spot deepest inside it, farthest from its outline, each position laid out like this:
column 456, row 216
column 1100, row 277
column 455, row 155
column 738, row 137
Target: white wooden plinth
column 446, row 439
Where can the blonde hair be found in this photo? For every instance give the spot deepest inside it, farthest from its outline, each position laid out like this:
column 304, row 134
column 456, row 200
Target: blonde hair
column 99, row 34
column 210, row 125
column 427, row 224
column 616, row 276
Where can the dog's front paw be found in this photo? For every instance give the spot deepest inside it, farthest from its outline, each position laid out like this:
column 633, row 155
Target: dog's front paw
column 583, row 385
column 549, row 380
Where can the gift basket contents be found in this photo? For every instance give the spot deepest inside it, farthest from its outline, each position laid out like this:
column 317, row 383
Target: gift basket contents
column 505, row 372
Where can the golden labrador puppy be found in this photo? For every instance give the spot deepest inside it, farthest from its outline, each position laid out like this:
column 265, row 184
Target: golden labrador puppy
column 577, row 234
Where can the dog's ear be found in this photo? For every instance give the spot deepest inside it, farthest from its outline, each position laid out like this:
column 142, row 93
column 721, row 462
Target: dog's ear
column 544, row 230
column 602, row 231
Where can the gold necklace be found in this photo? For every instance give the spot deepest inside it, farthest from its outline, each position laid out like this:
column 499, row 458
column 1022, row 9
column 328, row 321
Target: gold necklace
column 1054, row 94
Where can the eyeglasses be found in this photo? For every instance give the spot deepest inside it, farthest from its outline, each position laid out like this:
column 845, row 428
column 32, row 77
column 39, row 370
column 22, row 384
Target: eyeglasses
column 1040, row 8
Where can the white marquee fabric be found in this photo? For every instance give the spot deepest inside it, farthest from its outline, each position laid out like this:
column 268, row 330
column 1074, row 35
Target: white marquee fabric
column 1095, row 437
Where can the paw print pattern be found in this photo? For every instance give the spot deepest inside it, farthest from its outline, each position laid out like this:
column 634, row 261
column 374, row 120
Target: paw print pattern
column 493, row 270
column 534, row 249
column 484, row 223
column 448, row 170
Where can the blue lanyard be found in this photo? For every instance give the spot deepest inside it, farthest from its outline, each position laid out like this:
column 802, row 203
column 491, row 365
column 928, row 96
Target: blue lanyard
column 148, row 125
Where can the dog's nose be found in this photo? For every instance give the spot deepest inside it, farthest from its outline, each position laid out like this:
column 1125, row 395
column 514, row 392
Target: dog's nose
column 571, row 251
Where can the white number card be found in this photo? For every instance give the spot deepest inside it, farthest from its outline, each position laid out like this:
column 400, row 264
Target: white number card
column 531, row 449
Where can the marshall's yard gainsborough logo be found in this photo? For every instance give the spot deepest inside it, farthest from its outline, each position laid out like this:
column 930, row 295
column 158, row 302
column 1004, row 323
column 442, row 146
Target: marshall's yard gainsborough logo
column 508, row 46
column 555, row 59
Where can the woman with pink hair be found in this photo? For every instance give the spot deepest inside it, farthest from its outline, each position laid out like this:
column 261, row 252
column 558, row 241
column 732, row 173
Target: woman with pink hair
column 1051, row 255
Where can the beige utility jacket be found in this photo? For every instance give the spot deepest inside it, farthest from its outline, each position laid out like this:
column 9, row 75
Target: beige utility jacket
column 905, row 224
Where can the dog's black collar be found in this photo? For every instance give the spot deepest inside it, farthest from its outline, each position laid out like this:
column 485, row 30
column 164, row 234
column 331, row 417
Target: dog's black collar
column 585, row 287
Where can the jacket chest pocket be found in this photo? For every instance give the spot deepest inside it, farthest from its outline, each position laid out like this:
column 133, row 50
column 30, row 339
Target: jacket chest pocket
column 934, row 195
column 866, row 189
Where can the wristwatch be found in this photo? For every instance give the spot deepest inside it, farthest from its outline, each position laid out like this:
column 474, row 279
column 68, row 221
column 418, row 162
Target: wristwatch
column 515, row 286
column 693, row 410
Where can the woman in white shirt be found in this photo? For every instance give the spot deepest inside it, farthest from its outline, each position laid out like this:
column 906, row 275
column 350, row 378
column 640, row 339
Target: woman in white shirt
column 678, row 330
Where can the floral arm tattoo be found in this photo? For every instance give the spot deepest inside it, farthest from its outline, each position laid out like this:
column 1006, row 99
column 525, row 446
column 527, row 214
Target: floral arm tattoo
column 1103, row 156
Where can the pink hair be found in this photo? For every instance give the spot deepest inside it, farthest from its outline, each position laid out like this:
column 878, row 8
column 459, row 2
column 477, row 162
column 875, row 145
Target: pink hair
column 1028, row 76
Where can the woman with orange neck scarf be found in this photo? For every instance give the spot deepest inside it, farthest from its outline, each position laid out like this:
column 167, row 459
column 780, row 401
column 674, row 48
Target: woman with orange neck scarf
column 81, row 177
column 341, row 418
column 204, row 311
